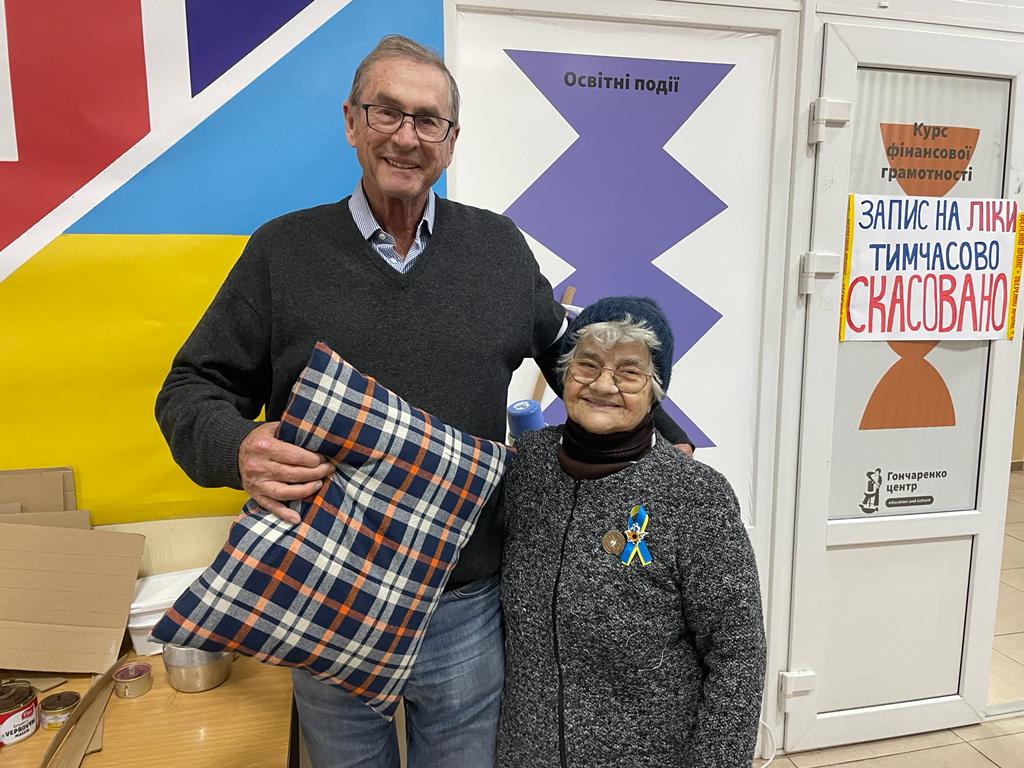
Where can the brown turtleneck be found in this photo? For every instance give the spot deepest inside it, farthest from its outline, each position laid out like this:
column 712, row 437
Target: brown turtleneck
column 586, row 456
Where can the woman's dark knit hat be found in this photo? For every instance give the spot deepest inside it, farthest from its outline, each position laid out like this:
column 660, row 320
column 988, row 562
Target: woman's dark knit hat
column 640, row 309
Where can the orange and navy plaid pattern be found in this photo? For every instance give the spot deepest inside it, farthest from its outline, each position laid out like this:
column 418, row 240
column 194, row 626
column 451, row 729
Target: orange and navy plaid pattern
column 348, row 592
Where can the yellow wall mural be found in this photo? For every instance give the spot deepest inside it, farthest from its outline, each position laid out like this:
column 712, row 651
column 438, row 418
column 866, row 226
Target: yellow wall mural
column 97, row 320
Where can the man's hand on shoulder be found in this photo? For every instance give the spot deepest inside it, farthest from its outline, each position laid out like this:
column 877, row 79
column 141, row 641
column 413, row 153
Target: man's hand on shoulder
column 685, row 448
column 274, row 472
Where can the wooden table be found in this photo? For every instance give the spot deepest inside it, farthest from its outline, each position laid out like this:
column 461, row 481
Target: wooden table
column 240, row 724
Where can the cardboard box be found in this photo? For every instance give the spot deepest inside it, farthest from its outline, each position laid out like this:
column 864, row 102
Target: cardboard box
column 75, row 518
column 64, row 596
column 39, row 490
column 67, row 519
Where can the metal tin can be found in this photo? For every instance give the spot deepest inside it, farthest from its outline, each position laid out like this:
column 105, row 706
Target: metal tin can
column 19, row 712
column 132, row 679
column 56, row 708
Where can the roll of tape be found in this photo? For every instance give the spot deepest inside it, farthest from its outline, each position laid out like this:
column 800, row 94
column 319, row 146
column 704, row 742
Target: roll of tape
column 132, row 680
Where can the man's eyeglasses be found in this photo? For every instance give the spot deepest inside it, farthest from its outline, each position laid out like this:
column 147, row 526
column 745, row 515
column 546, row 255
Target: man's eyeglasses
column 628, row 380
column 389, row 120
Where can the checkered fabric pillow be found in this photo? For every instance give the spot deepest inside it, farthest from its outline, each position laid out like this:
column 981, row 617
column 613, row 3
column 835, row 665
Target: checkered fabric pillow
column 348, row 592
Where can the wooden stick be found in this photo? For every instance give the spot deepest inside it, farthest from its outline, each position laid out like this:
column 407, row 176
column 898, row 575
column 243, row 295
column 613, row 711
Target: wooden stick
column 81, row 724
column 541, row 384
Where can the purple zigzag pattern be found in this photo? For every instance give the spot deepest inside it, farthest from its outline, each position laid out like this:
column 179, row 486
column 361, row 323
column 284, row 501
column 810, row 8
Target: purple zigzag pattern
column 615, row 200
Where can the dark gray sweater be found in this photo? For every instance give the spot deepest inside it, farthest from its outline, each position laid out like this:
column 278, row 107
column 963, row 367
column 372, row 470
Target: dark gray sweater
column 625, row 666
column 446, row 335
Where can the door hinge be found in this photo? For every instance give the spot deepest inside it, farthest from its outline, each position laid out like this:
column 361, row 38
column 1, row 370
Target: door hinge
column 815, row 265
column 793, row 685
column 827, row 113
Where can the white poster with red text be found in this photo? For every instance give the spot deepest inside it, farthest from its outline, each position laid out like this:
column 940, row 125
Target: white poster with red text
column 927, row 268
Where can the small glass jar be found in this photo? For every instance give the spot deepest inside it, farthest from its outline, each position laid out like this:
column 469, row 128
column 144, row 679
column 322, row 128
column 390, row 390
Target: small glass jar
column 57, row 708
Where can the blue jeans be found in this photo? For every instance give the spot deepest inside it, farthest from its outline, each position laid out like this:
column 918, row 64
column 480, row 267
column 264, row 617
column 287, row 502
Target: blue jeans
column 452, row 699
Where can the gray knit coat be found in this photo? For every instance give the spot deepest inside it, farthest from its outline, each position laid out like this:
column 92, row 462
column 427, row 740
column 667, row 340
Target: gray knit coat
column 614, row 665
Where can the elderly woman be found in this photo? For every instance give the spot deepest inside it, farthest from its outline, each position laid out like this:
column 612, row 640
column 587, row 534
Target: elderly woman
column 632, row 608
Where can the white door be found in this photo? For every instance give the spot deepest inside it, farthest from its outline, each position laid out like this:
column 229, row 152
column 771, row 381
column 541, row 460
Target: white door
column 904, row 449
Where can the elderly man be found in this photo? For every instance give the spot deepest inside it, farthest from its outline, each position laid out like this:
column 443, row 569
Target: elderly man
column 440, row 302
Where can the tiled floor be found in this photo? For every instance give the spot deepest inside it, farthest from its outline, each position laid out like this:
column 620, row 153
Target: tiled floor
column 995, row 743
column 1006, row 683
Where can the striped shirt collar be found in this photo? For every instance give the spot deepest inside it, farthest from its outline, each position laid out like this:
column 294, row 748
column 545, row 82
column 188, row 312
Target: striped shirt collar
column 359, row 206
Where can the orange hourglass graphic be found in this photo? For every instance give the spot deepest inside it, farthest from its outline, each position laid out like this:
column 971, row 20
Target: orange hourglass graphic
column 911, row 393
column 915, row 171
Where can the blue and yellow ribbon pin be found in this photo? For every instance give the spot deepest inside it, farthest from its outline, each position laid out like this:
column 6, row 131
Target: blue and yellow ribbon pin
column 636, row 528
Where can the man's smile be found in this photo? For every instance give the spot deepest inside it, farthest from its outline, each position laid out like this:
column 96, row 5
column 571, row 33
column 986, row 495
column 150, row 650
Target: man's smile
column 400, row 164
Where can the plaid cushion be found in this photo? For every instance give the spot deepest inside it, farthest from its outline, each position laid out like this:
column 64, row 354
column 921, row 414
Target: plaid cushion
column 348, row 592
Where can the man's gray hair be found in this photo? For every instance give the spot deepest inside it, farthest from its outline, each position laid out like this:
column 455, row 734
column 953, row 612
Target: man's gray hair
column 400, row 47
column 608, row 334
